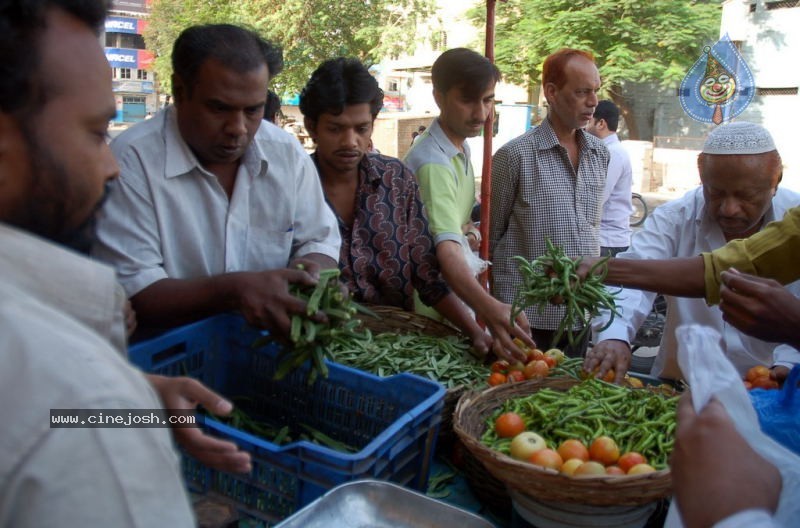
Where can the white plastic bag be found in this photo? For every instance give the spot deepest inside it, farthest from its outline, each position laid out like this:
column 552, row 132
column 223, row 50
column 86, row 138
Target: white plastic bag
column 476, row 264
column 709, row 373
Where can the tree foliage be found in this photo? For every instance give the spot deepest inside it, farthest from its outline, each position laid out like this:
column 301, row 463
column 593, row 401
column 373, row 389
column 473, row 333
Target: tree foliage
column 632, row 40
column 309, row 31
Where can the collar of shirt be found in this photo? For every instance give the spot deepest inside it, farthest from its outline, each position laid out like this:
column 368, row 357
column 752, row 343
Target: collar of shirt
column 181, row 160
column 611, row 139
column 436, row 131
column 546, row 138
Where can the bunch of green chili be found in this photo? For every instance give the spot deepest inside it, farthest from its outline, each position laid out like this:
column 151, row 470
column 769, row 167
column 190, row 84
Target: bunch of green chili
column 553, row 278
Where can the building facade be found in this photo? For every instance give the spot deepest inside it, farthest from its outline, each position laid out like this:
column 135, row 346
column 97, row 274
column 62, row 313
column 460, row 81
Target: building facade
column 133, row 77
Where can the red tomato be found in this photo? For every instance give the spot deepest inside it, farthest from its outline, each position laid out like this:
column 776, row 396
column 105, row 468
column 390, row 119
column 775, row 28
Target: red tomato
column 516, row 375
column 546, row 458
column 497, row 378
column 536, row 369
column 500, row 365
column 573, row 448
column 509, row 425
column 630, row 459
column 604, row 450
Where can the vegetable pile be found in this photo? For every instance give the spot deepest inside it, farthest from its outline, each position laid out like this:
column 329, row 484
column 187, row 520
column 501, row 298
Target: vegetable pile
column 640, row 420
column 553, row 277
column 282, row 434
column 311, row 340
column 444, row 359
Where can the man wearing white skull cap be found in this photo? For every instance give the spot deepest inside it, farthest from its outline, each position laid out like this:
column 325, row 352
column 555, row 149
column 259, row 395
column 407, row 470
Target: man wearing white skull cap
column 740, row 170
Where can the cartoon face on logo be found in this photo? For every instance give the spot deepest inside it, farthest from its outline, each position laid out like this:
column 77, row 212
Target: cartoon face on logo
column 718, row 89
column 719, row 85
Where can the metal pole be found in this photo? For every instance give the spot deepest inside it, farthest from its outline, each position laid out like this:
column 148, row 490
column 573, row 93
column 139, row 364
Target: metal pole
column 486, row 173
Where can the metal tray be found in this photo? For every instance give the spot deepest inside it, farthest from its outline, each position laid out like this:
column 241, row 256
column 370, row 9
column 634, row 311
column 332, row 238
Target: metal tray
column 380, row 504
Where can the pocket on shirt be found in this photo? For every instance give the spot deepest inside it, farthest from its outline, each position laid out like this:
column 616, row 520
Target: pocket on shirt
column 269, row 248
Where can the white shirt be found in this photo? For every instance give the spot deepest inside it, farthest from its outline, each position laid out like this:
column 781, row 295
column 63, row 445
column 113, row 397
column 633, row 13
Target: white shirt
column 749, row 519
column 681, row 229
column 62, row 278
column 615, row 229
column 166, row 216
column 53, row 360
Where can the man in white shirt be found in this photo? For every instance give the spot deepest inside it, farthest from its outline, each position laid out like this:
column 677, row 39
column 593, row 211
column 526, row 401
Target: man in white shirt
column 615, row 229
column 213, row 204
column 57, row 353
column 740, row 170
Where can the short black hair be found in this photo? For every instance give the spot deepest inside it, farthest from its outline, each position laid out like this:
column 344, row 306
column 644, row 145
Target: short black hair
column 272, row 107
column 609, row 112
column 240, row 49
column 23, row 91
column 465, row 69
column 337, row 83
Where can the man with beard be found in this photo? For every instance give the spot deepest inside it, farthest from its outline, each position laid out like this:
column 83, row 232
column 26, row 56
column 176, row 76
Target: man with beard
column 740, row 170
column 57, row 308
column 463, row 88
column 214, row 209
column 387, row 250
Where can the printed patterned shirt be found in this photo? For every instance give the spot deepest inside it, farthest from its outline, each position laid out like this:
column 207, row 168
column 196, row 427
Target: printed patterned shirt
column 536, row 195
column 389, row 250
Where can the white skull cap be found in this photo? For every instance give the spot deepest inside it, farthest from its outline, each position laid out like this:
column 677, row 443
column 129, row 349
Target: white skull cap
column 739, row 137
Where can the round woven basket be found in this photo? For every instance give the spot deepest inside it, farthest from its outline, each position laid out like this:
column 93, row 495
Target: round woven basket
column 399, row 321
column 469, row 422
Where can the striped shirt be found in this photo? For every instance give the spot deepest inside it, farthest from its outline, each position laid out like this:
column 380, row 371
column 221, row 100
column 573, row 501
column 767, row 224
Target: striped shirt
column 536, row 194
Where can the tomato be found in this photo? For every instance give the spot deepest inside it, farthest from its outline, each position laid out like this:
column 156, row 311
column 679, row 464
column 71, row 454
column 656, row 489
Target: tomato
column 604, row 450
column 630, row 459
column 641, row 469
column 516, row 375
column 569, row 467
column 764, row 382
column 519, row 365
column 497, row 378
column 556, row 354
column 501, row 366
column 533, row 355
column 590, row 469
column 573, row 448
column 614, row 470
column 551, row 362
column 525, row 444
column 536, row 369
column 759, row 371
column 509, row 425
column 546, row 458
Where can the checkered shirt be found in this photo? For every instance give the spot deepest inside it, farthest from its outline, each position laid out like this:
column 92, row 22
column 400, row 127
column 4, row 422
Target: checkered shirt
column 536, row 194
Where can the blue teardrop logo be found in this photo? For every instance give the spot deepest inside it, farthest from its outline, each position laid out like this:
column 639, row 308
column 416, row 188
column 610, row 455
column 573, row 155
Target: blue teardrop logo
column 719, row 86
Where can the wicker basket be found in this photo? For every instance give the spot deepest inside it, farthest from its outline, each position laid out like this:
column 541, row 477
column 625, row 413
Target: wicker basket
column 469, row 422
column 399, row 321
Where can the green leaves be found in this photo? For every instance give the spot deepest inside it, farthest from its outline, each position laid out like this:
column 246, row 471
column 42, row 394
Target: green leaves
column 310, row 31
column 631, row 39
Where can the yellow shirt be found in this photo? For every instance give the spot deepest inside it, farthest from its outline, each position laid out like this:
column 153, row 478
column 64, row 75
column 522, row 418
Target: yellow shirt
column 772, row 252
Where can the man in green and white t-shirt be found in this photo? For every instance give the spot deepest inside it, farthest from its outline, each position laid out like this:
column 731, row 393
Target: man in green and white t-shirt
column 463, row 87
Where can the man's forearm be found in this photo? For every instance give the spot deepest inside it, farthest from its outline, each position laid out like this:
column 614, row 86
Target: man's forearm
column 682, row 277
column 172, row 302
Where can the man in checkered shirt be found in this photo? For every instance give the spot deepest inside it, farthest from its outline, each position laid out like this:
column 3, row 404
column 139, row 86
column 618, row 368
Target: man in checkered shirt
column 548, row 183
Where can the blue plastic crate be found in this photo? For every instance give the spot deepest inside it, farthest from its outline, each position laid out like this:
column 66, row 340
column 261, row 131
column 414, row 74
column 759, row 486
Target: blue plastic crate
column 394, row 421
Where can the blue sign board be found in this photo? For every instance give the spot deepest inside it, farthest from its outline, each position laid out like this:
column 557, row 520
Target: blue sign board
column 122, row 58
column 116, row 24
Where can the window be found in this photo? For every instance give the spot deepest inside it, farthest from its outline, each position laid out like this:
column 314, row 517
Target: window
column 781, row 5
column 124, row 73
column 141, row 75
column 776, row 91
column 394, row 85
column 439, row 41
